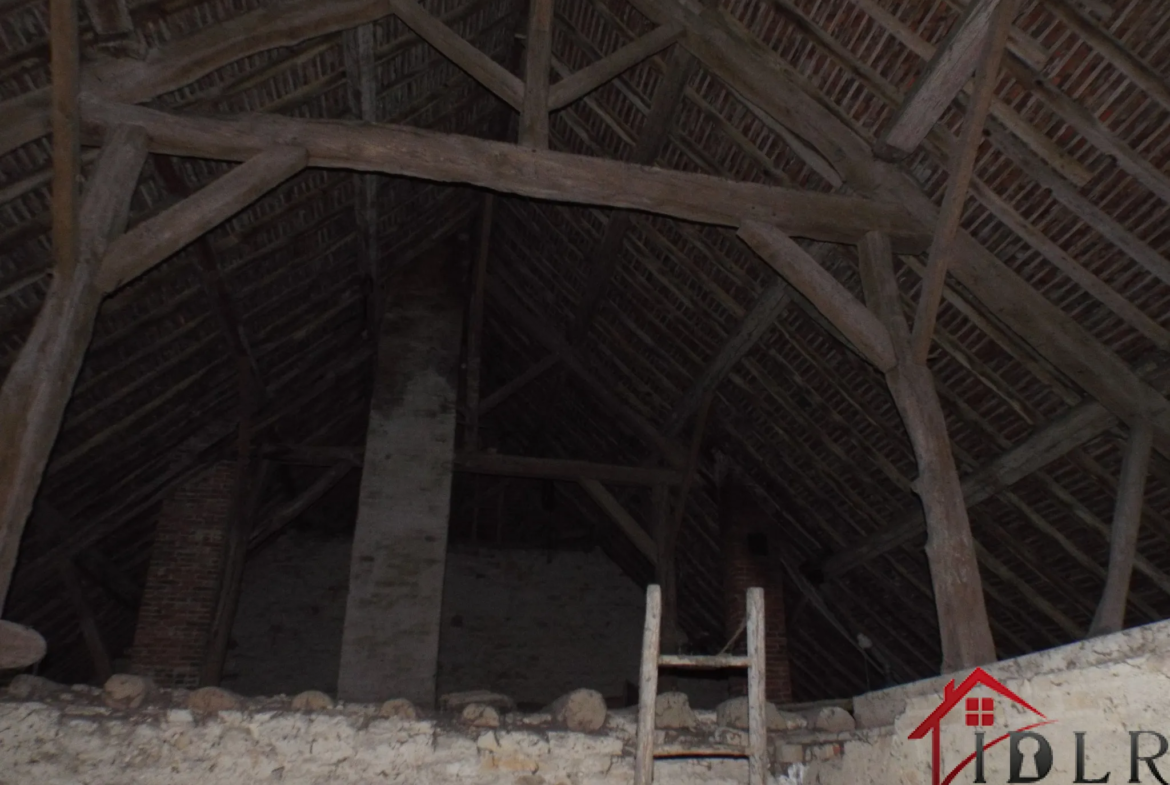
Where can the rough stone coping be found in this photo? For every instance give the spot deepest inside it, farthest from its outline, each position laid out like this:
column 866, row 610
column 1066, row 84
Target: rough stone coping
column 170, row 705
column 875, row 709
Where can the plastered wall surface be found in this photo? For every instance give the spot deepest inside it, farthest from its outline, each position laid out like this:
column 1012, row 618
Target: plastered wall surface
column 287, row 632
column 390, row 640
column 536, row 624
column 1105, row 688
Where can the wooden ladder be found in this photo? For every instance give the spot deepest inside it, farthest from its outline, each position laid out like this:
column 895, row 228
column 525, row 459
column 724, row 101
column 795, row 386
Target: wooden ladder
column 756, row 751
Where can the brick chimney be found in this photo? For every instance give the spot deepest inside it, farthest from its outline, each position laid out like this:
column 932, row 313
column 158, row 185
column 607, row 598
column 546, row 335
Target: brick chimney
column 749, row 559
column 182, row 581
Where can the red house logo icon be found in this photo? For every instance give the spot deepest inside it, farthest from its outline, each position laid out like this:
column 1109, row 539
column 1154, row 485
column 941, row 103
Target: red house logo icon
column 979, row 713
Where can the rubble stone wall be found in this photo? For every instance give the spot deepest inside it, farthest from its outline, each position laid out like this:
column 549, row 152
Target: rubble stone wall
column 1105, row 688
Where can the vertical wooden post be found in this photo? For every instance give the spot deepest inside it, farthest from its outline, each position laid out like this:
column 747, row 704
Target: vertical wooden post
column 1127, row 518
column 950, row 549
column 475, row 325
column 962, row 167
column 534, row 115
column 664, row 567
column 38, row 386
column 251, row 475
column 64, row 67
column 648, row 688
column 359, row 53
column 757, row 689
column 85, row 619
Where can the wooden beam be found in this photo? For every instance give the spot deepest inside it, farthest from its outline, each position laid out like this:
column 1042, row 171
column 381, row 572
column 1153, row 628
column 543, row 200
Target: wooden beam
column 212, row 280
column 594, row 75
column 668, row 523
column 532, row 372
column 109, row 17
column 961, row 169
column 473, row 62
column 475, row 325
column 950, row 549
column 832, row 299
column 313, row 454
column 538, row 54
column 502, row 167
column 561, row 469
column 944, row 76
column 733, row 54
column 358, row 48
column 772, row 302
column 619, row 515
column 55, row 528
column 90, row 632
column 38, row 386
column 251, row 476
column 1127, row 517
column 605, row 255
column 64, row 69
column 156, row 239
column 1121, row 58
column 598, row 382
column 290, row 511
column 1081, row 425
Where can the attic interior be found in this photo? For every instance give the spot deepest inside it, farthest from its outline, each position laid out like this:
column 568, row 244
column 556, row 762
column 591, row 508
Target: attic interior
column 516, row 308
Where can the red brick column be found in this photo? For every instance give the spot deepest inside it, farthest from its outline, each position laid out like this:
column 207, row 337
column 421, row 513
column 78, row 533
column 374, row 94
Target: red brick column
column 749, row 559
column 182, row 582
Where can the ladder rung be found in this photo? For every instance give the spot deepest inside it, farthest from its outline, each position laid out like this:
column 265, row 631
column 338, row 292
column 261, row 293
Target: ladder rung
column 685, row 751
column 704, row 661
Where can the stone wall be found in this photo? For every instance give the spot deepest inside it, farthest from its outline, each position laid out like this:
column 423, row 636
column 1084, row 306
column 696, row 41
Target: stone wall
column 182, row 582
column 287, row 632
column 535, row 624
column 1106, row 688
column 70, row 738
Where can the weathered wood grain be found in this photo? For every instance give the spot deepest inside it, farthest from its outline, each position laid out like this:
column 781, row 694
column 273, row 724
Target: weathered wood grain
column 154, row 240
column 561, row 469
column 38, row 386
column 1127, row 518
column 594, row 75
column 944, row 76
column 503, row 167
column 455, row 48
column 832, row 299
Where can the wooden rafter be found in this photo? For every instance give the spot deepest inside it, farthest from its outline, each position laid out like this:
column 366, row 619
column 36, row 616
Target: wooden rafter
column 213, row 283
column 961, row 169
column 561, row 469
column 508, row 168
column 957, row 57
column 1046, row 445
column 1127, row 516
column 154, row 240
column 359, row 49
column 594, row 75
column 475, row 63
column 771, row 303
column 109, row 17
column 37, row 388
column 505, row 392
column 474, row 347
column 538, row 53
column 621, row 516
column 602, row 261
column 597, row 382
column 766, row 80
